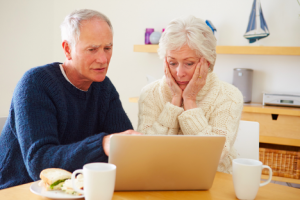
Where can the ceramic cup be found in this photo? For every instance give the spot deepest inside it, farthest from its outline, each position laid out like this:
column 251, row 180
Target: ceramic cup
column 99, row 181
column 246, row 177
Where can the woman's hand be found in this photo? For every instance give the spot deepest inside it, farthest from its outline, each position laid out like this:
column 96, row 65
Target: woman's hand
column 195, row 85
column 175, row 89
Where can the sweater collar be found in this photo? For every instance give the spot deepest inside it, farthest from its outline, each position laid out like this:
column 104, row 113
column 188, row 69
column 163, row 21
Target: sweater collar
column 71, row 88
column 209, row 91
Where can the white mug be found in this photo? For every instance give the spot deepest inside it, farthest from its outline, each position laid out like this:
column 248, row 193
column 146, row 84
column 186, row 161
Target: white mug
column 246, row 177
column 99, row 181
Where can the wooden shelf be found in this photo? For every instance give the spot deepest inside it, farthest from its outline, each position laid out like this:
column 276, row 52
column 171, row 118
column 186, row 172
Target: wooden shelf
column 133, row 99
column 150, row 48
column 279, row 140
column 259, row 108
column 258, row 50
column 248, row 50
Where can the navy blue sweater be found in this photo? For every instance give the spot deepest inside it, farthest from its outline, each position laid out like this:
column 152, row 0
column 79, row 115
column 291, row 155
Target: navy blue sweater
column 53, row 124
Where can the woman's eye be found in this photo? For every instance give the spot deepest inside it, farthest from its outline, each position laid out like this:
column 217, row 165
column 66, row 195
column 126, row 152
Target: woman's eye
column 172, row 63
column 189, row 64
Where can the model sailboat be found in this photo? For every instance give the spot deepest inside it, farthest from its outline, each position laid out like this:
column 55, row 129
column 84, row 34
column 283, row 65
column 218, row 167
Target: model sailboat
column 257, row 26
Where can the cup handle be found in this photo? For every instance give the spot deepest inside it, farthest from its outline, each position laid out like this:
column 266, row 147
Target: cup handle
column 270, row 176
column 78, row 171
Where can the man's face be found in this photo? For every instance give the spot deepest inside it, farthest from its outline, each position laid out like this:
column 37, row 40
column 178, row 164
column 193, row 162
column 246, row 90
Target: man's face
column 93, row 51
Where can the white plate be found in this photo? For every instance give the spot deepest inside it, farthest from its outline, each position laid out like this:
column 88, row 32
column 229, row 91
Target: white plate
column 57, row 194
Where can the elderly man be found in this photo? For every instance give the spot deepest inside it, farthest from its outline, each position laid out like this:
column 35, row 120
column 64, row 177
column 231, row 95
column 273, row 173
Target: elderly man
column 61, row 114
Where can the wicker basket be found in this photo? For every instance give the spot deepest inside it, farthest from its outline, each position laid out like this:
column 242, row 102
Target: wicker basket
column 284, row 160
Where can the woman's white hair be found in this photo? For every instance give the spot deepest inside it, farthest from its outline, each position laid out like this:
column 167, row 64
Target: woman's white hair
column 70, row 27
column 191, row 31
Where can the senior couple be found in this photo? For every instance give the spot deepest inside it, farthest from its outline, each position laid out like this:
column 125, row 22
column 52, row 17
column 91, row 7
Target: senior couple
column 62, row 114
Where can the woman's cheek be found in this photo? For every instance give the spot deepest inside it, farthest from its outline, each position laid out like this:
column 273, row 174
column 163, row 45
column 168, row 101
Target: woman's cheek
column 173, row 72
column 192, row 71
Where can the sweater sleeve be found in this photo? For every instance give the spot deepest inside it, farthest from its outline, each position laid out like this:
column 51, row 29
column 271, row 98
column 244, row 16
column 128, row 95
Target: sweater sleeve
column 223, row 121
column 36, row 125
column 116, row 115
column 154, row 120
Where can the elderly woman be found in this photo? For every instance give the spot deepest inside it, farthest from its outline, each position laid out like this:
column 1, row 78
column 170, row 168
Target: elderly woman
column 190, row 99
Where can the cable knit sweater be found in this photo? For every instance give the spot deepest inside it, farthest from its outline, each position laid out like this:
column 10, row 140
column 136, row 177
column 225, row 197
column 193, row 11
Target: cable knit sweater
column 219, row 110
column 53, row 124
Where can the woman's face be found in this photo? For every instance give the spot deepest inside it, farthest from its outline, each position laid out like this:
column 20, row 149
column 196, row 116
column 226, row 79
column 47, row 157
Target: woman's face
column 182, row 64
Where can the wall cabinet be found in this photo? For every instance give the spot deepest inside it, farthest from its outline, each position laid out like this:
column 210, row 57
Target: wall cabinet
column 278, row 125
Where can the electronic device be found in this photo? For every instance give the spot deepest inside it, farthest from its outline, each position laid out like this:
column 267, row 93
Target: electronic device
column 165, row 162
column 242, row 79
column 281, row 99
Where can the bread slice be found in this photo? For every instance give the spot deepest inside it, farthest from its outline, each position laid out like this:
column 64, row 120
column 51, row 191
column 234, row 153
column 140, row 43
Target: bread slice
column 53, row 178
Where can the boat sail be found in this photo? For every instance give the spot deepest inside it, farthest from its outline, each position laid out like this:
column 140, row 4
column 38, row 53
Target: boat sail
column 257, row 26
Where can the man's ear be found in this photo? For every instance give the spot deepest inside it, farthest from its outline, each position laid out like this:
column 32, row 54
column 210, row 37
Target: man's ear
column 67, row 49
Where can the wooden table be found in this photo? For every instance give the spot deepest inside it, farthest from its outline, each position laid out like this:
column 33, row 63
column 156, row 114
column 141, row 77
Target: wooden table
column 222, row 189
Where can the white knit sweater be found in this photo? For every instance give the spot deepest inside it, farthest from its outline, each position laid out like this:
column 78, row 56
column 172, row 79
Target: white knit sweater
column 219, row 110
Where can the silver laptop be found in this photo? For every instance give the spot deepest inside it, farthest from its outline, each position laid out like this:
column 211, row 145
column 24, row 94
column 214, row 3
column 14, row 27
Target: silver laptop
column 165, row 162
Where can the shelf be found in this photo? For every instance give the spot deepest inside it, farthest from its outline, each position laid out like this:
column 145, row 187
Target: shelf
column 258, row 50
column 133, row 99
column 281, row 179
column 280, row 110
column 150, row 48
column 248, row 50
column 279, row 140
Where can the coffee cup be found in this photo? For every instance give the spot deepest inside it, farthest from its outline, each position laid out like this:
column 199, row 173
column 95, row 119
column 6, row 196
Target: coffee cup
column 246, row 177
column 99, row 181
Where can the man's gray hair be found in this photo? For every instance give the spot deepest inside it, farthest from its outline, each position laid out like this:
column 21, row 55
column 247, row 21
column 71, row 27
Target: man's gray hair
column 70, row 27
column 191, row 31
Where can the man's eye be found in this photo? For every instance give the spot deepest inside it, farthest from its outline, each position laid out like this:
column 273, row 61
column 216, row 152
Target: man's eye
column 108, row 48
column 91, row 50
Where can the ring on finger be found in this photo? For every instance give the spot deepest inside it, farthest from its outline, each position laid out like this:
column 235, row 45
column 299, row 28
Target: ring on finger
column 200, row 77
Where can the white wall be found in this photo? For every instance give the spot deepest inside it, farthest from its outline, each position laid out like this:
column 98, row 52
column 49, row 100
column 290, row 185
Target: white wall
column 26, row 35
column 30, row 36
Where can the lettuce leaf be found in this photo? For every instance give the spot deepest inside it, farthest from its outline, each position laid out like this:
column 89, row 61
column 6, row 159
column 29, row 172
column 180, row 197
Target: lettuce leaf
column 56, row 183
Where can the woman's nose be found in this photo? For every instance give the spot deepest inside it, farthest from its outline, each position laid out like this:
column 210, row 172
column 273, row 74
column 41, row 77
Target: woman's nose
column 180, row 71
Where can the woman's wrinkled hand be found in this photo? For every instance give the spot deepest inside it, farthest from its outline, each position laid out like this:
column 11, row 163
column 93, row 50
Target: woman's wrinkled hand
column 195, row 85
column 175, row 89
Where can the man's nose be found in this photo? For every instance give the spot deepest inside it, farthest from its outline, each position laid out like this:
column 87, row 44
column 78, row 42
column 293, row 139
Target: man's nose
column 180, row 71
column 101, row 57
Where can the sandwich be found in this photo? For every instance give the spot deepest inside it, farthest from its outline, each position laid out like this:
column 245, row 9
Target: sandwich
column 67, row 186
column 60, row 179
column 53, row 178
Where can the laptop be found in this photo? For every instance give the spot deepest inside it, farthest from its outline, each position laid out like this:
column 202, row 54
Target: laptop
column 165, row 162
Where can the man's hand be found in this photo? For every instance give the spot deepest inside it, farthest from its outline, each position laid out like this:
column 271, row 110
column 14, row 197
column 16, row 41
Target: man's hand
column 106, row 139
